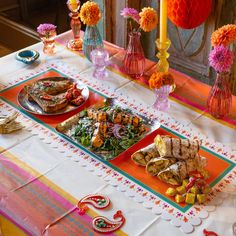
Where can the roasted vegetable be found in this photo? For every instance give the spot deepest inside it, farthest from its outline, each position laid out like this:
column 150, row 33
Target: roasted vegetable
column 190, row 198
column 171, row 192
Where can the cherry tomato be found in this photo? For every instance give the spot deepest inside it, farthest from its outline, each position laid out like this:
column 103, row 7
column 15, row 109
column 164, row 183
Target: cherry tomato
column 78, row 101
column 46, row 84
column 76, row 93
column 46, row 97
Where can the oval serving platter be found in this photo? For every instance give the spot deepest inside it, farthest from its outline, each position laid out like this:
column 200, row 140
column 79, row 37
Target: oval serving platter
column 34, row 108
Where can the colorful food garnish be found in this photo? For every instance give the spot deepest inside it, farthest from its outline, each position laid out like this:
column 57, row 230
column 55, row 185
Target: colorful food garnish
column 192, row 190
column 74, row 95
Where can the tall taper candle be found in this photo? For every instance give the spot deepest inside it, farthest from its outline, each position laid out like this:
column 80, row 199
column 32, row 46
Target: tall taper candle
column 163, row 21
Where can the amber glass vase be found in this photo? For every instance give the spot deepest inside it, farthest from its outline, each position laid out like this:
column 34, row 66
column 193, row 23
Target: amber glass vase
column 48, row 40
column 219, row 101
column 134, row 61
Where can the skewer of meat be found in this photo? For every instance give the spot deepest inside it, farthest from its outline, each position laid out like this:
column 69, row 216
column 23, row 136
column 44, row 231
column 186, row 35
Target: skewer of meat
column 100, row 132
column 117, row 117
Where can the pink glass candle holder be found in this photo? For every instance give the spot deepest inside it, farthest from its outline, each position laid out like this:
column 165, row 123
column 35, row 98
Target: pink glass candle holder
column 76, row 43
column 162, row 103
column 48, row 40
column 100, row 59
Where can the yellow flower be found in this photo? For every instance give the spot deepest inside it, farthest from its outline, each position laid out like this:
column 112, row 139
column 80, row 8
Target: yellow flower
column 90, row 13
column 159, row 79
column 148, row 19
column 224, row 35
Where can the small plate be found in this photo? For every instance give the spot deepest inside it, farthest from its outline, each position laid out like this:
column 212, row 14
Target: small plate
column 27, row 56
column 34, row 108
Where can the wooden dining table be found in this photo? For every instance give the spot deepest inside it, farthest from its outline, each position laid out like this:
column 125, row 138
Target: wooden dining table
column 44, row 174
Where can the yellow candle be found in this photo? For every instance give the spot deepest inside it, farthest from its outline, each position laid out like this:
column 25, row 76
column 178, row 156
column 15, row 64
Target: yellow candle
column 163, row 21
column 73, row 1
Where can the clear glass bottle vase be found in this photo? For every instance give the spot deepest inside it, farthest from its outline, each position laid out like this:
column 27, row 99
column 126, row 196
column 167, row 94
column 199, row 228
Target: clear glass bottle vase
column 134, row 60
column 219, row 101
column 92, row 40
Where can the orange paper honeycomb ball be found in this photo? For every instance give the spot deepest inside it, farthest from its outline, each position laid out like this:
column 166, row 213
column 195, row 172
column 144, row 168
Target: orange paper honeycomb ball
column 189, row 14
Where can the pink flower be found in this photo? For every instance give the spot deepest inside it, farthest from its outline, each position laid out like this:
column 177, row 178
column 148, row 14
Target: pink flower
column 45, row 28
column 221, row 59
column 130, row 13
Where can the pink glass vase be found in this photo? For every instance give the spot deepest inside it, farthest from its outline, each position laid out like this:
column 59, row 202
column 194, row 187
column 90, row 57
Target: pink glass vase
column 48, row 40
column 134, row 61
column 162, row 103
column 219, row 101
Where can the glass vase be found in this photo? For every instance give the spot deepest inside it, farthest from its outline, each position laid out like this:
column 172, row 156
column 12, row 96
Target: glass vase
column 48, row 40
column 162, row 103
column 134, row 60
column 92, row 40
column 74, row 44
column 219, row 101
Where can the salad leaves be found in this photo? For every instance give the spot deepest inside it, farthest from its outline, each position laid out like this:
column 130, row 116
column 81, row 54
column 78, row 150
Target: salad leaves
column 116, row 138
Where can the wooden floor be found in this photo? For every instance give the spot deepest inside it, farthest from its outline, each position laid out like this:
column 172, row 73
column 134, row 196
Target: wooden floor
column 4, row 50
column 47, row 13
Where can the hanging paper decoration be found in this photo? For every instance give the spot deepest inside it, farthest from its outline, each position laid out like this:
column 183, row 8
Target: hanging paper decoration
column 189, row 14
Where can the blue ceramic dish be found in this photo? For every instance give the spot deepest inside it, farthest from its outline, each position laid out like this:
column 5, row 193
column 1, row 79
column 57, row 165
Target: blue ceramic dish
column 27, row 56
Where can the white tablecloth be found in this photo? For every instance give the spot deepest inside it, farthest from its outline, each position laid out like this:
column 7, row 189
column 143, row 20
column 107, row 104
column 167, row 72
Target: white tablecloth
column 69, row 174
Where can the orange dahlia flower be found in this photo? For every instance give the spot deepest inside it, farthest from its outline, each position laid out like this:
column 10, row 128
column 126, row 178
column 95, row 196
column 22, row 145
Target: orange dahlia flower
column 224, row 35
column 90, row 13
column 148, row 19
column 159, row 79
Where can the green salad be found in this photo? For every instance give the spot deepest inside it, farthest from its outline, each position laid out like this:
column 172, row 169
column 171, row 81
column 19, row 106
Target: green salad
column 108, row 131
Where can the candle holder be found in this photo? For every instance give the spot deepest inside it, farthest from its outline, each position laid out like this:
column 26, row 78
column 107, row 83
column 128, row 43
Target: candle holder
column 76, row 43
column 163, row 55
column 162, row 103
column 100, row 59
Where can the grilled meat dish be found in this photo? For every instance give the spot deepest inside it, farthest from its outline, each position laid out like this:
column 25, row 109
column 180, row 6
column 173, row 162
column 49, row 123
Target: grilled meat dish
column 51, row 87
